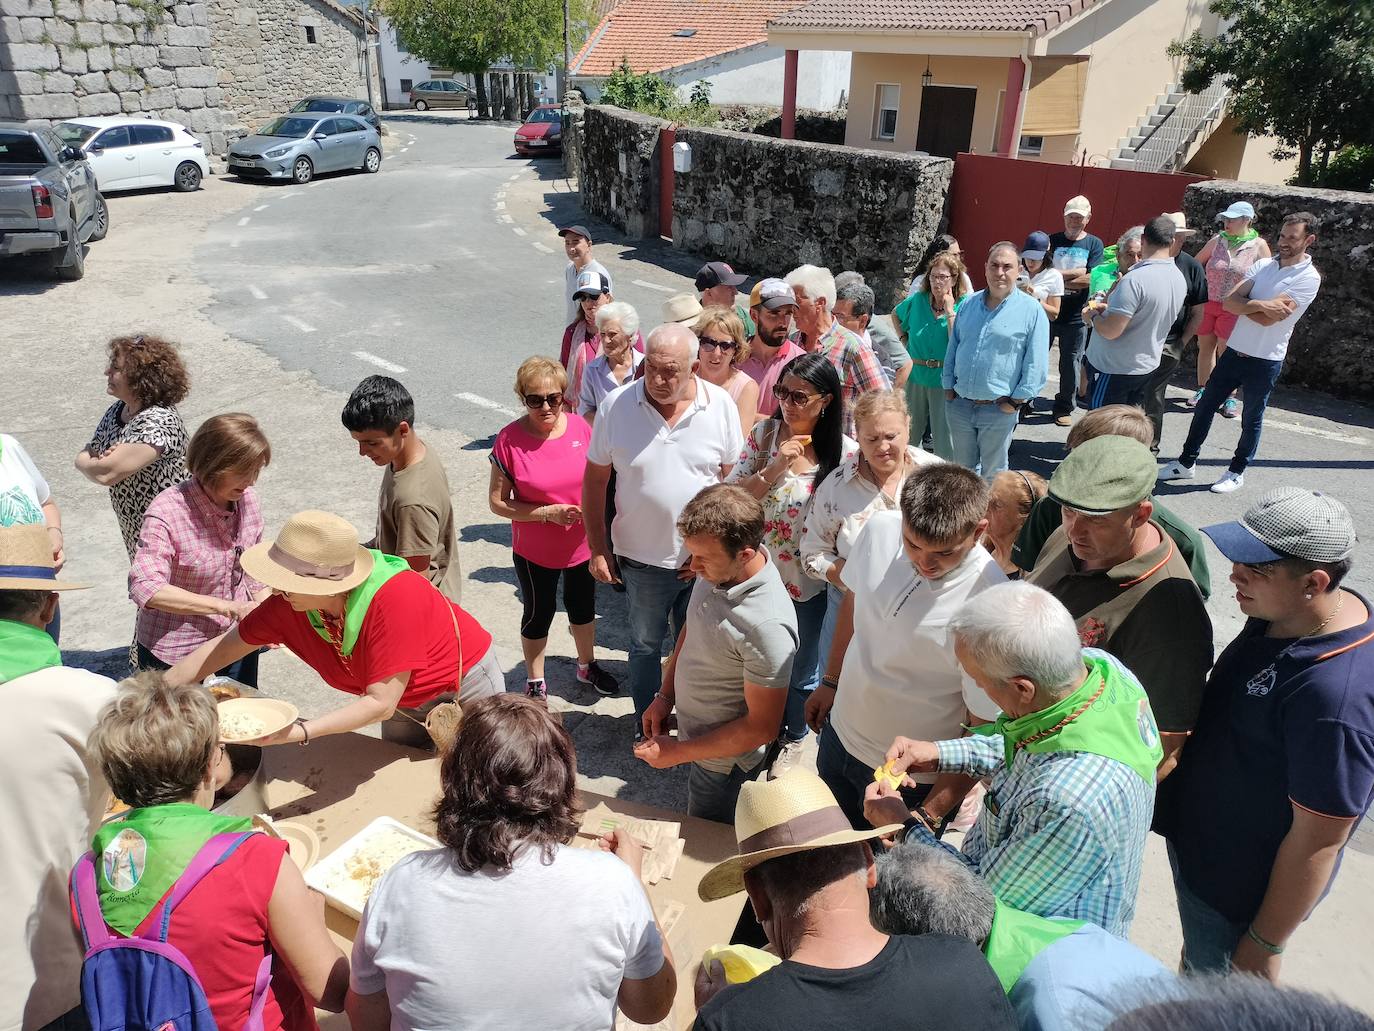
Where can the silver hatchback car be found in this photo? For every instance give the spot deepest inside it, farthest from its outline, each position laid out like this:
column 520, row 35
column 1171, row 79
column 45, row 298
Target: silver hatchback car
column 299, row 146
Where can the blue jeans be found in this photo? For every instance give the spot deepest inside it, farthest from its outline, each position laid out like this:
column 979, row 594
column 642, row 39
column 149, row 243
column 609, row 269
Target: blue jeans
column 1209, row 938
column 711, row 795
column 834, row 598
column 848, row 779
column 981, row 435
column 657, row 603
column 1256, row 377
column 805, row 669
column 1072, row 335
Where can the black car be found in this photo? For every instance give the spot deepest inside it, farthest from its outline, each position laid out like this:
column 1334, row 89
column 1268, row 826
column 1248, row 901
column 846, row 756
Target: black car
column 340, row 106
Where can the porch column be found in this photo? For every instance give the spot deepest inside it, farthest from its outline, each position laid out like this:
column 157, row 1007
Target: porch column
column 789, row 95
column 1009, row 145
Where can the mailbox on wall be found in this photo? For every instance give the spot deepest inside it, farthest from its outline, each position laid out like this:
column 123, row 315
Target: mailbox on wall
column 682, row 157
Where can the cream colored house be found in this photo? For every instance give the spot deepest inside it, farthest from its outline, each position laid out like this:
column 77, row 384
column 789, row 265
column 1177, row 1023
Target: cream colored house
column 1068, row 81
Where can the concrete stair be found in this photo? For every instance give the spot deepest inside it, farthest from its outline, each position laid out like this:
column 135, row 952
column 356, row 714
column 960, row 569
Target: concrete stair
column 1172, row 130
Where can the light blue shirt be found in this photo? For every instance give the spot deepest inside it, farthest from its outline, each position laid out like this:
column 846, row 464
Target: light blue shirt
column 1004, row 352
column 1077, row 983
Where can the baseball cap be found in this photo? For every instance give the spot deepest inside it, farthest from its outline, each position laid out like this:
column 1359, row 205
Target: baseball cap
column 1179, row 220
column 1238, row 209
column 1079, row 205
column 1104, row 474
column 1037, row 245
column 718, row 273
column 771, row 293
column 1288, row 522
column 592, row 283
column 581, row 231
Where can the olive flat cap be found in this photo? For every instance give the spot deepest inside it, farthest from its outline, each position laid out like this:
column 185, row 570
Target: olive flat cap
column 1104, row 474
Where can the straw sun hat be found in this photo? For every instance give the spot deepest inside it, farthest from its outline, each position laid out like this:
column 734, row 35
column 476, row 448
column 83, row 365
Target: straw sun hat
column 315, row 553
column 794, row 813
column 26, row 562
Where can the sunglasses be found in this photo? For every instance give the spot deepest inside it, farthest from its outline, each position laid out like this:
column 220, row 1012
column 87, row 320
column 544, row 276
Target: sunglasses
column 537, row 401
column 798, row 398
column 710, row 344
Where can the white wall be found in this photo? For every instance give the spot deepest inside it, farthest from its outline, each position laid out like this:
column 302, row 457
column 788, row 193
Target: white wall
column 397, row 65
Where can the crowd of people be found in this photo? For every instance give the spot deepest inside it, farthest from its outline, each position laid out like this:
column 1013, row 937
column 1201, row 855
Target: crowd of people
column 810, row 511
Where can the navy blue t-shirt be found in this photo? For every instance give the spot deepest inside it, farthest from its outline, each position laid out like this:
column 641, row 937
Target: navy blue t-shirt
column 1085, row 252
column 1283, row 722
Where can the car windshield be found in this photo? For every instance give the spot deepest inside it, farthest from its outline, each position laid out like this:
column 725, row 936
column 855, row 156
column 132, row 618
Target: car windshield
column 317, row 104
column 74, row 134
column 544, row 114
column 293, row 128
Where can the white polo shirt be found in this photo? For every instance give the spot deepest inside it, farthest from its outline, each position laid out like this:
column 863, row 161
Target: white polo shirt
column 900, row 676
column 1268, row 280
column 659, row 468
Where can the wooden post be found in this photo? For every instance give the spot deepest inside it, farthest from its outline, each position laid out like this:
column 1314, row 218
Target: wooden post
column 666, row 181
column 789, row 95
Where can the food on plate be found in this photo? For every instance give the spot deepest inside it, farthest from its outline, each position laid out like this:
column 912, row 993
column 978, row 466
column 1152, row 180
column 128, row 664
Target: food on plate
column 239, row 726
column 741, row 962
column 224, row 690
column 354, row 880
column 887, row 774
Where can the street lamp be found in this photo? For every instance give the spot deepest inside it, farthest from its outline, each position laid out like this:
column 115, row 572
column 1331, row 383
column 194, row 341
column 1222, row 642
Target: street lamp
column 926, row 76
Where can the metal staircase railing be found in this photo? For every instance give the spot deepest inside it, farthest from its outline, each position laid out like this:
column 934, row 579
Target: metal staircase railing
column 1166, row 146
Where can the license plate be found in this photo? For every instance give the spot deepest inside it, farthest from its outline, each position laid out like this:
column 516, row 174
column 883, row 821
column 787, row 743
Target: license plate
column 246, row 162
column 535, row 143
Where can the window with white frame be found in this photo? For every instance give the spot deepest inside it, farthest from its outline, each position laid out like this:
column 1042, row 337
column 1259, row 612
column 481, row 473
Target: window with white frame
column 887, row 96
column 1031, row 146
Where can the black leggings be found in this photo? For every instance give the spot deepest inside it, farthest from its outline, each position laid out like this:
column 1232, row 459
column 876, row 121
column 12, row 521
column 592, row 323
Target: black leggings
column 539, row 596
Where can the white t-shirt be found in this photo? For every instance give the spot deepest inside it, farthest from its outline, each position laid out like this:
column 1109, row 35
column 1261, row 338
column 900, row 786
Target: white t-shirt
column 659, row 468
column 23, row 491
column 53, row 798
column 900, row 676
column 455, row 950
column 1268, row 279
column 1047, row 283
column 570, row 274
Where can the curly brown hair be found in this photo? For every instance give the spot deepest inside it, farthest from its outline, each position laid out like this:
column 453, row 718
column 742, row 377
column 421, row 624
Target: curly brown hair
column 509, row 781
column 153, row 369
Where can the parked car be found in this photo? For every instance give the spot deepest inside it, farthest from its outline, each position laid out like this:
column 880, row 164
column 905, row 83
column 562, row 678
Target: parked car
column 441, row 93
column 133, row 153
column 49, row 204
column 542, row 132
column 339, row 106
column 301, row 146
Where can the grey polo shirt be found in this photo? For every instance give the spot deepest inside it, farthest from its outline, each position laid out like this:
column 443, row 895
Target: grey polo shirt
column 745, row 633
column 1151, row 293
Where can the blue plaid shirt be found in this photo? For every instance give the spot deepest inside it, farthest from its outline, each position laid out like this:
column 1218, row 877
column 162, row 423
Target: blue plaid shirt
column 1061, row 833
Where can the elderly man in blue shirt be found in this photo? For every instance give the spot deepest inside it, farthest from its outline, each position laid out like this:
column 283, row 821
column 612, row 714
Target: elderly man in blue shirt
column 998, row 359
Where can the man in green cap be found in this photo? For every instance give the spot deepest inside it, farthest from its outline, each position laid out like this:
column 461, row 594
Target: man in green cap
column 1124, row 581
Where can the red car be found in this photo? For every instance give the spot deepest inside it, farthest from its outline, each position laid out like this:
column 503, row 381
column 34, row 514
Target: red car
column 542, row 132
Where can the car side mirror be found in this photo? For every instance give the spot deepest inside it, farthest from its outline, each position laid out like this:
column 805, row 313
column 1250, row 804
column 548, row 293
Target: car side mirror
column 76, row 155
column 319, row 136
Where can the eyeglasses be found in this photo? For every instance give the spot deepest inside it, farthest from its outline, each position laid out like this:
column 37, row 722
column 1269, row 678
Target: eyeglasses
column 538, row 401
column 710, row 344
column 796, row 398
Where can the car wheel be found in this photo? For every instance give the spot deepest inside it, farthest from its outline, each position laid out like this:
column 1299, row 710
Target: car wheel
column 373, row 161
column 70, row 262
column 186, row 178
column 102, row 219
column 302, row 171
column 420, row 105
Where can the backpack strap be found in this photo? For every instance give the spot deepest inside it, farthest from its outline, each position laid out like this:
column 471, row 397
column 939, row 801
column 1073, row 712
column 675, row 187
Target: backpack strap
column 211, row 854
column 260, row 986
column 84, row 894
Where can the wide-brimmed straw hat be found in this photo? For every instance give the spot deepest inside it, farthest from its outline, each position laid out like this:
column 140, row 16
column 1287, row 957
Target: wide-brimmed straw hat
column 684, row 309
column 794, row 813
column 315, row 553
column 26, row 562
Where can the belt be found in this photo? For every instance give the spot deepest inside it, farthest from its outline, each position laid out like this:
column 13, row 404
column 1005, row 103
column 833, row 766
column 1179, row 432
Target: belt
column 975, row 401
column 928, row 363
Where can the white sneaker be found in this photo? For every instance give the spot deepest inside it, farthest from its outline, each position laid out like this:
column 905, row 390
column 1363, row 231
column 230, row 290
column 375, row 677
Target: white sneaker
column 1229, row 482
column 1176, row 470
column 788, row 756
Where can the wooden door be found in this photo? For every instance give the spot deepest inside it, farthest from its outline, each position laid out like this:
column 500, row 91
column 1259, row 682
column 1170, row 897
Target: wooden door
column 946, row 126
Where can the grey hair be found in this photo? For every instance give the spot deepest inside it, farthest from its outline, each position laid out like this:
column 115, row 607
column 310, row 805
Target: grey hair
column 1020, row 630
column 1134, row 233
column 618, row 311
column 669, row 335
column 860, row 294
column 1229, row 1003
column 926, row 890
column 816, row 281
column 847, row 277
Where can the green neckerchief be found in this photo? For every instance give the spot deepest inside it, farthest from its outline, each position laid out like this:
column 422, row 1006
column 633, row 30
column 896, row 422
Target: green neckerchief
column 1108, row 715
column 1017, row 938
column 384, row 567
column 1235, row 240
column 1103, row 275
column 138, row 858
column 25, row 649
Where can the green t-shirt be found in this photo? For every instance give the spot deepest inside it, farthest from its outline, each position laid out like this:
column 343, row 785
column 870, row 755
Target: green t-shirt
column 927, row 336
column 749, row 328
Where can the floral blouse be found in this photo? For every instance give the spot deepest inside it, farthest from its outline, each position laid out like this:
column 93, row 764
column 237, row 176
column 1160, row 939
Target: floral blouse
column 784, row 506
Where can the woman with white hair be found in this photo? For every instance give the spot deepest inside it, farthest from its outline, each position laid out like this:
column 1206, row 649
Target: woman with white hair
column 617, row 325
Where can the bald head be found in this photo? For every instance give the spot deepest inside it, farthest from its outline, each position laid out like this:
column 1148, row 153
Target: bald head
column 672, row 338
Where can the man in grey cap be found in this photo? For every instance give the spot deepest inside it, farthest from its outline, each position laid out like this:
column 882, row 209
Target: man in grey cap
column 718, row 285
column 1280, row 769
column 1122, row 578
column 577, row 245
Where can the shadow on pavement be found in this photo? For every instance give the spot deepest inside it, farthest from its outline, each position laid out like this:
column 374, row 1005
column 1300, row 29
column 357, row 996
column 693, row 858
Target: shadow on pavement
column 493, row 533
column 109, row 662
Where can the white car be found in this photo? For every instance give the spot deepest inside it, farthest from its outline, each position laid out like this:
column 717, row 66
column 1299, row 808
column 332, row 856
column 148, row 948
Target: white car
column 129, row 153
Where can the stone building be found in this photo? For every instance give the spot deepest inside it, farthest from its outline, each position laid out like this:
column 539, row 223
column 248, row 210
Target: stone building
column 220, row 68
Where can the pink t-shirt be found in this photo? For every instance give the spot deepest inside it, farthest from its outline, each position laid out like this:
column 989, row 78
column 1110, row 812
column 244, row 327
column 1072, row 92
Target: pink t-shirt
column 546, row 472
column 766, row 376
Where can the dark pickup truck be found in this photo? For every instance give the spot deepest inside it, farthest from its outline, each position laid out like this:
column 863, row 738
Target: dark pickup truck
column 49, row 204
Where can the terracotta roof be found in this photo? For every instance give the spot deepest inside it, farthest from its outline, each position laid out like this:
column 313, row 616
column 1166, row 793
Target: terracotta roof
column 1035, row 17
column 642, row 32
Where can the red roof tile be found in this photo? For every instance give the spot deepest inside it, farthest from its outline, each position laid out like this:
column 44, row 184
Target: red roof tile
column 641, row 31
column 1035, row 17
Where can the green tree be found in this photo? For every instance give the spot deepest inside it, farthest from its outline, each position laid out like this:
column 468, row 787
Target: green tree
column 1298, row 70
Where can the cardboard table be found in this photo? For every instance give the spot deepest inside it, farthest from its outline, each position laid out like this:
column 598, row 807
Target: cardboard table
column 339, row 784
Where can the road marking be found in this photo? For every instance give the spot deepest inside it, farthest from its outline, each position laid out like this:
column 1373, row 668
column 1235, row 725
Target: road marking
column 404, row 149
column 500, row 205
column 300, row 324
column 288, row 195
column 261, row 207
column 500, row 194
column 514, row 177
column 504, row 218
column 654, row 286
column 1313, row 431
column 544, row 248
column 381, row 363
column 244, row 220
column 259, row 294
column 518, row 231
column 482, row 402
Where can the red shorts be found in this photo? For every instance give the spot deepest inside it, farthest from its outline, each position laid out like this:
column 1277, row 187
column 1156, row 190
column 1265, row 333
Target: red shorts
column 1216, row 321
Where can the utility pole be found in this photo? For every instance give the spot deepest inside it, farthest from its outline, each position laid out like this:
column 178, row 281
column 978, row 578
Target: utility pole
column 567, row 55
column 367, row 52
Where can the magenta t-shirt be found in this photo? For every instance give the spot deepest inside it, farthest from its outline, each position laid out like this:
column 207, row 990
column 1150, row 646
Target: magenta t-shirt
column 546, row 472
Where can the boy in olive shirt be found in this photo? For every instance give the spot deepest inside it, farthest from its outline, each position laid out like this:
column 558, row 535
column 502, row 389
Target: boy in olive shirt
column 414, row 511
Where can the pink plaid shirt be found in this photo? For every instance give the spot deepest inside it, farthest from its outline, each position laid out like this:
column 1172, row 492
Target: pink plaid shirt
column 188, row 541
column 853, row 360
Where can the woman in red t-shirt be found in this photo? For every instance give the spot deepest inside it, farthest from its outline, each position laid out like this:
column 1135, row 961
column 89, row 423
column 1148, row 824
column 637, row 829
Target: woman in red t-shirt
column 366, row 622
column 159, row 749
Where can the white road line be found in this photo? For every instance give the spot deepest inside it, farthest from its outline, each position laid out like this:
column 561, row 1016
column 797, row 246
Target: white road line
column 654, row 286
column 514, row 177
column 404, row 149
column 244, row 220
column 381, row 363
column 542, row 247
column 259, row 294
column 482, row 402
column 500, row 194
column 1314, row 431
column 500, row 205
column 300, row 324
column 517, row 231
column 261, row 207
column 504, row 218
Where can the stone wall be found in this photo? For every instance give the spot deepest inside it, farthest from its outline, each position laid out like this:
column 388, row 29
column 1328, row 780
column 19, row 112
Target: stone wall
column 1332, row 348
column 618, row 173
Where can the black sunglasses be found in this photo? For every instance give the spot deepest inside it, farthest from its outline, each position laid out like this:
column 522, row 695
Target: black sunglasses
column 800, row 398
column 537, row 401
column 709, row 344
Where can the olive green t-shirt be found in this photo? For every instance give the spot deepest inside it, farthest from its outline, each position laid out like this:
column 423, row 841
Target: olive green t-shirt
column 415, row 517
